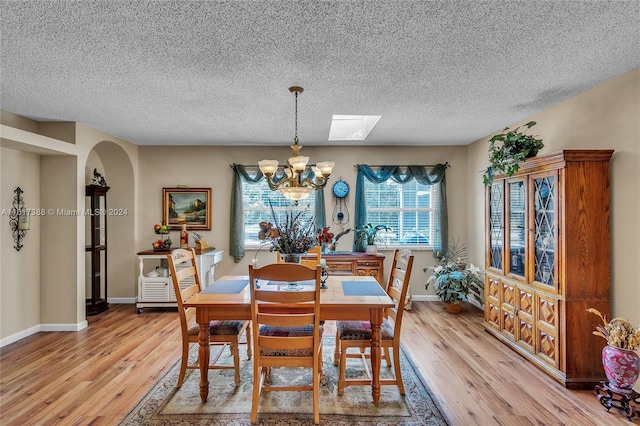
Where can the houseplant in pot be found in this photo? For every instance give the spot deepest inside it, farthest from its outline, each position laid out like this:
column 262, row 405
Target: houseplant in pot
column 366, row 237
column 454, row 277
column 510, row 148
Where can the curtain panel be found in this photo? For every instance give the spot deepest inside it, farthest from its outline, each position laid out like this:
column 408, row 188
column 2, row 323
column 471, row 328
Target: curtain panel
column 403, row 174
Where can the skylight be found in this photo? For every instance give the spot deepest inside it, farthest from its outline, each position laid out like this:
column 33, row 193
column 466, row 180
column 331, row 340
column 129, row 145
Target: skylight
column 351, row 127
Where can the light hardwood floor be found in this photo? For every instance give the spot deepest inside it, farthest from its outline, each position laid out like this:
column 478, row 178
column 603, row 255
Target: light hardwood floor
column 95, row 376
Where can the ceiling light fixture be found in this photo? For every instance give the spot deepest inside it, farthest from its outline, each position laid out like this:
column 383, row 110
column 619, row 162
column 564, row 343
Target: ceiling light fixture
column 295, row 187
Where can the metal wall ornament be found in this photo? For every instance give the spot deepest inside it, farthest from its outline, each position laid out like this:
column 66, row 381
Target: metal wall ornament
column 18, row 219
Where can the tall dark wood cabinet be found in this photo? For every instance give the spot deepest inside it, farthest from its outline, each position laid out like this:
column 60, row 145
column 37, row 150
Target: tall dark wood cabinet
column 96, row 249
column 548, row 260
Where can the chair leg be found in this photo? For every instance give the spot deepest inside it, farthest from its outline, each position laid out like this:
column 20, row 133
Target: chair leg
column 257, row 383
column 183, row 363
column 336, row 353
column 235, row 351
column 385, row 353
column 316, row 391
column 343, row 364
column 248, row 333
column 396, row 365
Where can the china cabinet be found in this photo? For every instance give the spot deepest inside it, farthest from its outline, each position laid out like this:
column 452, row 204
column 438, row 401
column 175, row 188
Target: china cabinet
column 96, row 249
column 548, row 260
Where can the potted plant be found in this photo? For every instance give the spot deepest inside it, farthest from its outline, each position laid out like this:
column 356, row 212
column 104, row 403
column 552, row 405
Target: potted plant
column 454, row 277
column 620, row 361
column 510, row 148
column 366, row 237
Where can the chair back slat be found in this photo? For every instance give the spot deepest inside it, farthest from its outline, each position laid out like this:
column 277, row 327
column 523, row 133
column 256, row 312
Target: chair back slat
column 278, row 320
column 398, row 285
column 284, row 297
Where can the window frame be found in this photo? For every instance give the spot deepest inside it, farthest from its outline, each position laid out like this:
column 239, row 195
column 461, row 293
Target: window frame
column 432, row 209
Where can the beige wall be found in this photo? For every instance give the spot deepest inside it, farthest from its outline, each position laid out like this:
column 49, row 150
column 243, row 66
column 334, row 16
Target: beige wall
column 19, row 272
column 209, row 167
column 606, row 117
column 50, row 269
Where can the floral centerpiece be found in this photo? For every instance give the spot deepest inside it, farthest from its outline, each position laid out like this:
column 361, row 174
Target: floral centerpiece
column 454, row 277
column 620, row 361
column 293, row 235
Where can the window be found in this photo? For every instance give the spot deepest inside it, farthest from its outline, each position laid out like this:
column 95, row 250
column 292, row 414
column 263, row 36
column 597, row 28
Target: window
column 256, row 198
column 409, row 209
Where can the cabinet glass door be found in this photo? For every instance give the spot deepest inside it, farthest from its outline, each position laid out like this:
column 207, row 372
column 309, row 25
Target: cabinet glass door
column 496, row 224
column 517, row 227
column 545, row 229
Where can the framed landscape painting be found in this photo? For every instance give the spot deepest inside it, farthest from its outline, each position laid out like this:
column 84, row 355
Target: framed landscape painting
column 187, row 205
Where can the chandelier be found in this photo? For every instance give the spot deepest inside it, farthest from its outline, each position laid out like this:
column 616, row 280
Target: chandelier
column 294, row 186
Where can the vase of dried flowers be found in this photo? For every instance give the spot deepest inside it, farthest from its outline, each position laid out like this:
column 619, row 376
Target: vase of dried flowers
column 620, row 361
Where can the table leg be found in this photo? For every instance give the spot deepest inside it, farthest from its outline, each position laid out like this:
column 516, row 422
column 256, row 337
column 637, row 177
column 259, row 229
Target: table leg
column 203, row 359
column 376, row 321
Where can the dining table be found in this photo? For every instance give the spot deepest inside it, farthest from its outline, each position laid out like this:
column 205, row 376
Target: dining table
column 346, row 298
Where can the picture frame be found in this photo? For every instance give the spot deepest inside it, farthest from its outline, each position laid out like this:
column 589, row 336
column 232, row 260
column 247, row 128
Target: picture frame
column 187, row 205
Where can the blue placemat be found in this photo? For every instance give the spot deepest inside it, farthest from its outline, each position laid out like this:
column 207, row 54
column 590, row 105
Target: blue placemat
column 226, row 286
column 306, row 282
column 362, row 288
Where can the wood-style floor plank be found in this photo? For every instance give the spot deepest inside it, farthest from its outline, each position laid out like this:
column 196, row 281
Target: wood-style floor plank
column 95, row 376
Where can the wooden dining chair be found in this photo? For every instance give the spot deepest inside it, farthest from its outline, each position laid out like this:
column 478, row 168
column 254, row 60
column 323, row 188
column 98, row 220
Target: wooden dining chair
column 286, row 329
column 357, row 334
column 311, row 258
column 186, row 282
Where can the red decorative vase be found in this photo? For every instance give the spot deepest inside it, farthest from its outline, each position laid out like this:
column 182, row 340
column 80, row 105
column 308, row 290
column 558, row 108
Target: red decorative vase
column 622, row 367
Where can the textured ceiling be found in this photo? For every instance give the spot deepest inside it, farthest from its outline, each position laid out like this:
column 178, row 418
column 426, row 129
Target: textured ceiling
column 217, row 72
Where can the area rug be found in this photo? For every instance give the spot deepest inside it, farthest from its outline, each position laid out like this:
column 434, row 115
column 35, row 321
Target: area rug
column 231, row 405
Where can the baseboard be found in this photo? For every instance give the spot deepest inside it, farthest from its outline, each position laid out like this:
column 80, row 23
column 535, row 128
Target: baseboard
column 434, row 298
column 41, row 327
column 122, row 300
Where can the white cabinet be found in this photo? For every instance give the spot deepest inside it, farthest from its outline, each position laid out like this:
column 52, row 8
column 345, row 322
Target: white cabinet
column 158, row 291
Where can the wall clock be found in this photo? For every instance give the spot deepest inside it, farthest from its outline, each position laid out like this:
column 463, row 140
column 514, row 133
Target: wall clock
column 340, row 191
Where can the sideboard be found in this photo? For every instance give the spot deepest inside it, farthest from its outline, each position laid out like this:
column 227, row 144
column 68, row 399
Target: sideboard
column 157, row 291
column 354, row 263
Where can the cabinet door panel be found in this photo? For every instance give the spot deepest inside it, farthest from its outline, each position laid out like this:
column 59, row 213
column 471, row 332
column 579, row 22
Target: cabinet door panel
column 547, row 316
column 509, row 322
column 155, row 291
column 492, row 314
column 495, row 237
column 516, row 228
column 544, row 224
column 526, row 319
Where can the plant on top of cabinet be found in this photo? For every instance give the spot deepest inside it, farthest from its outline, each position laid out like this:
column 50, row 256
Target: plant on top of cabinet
column 508, row 149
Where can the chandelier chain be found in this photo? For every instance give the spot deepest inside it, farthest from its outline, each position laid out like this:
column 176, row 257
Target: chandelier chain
column 295, row 137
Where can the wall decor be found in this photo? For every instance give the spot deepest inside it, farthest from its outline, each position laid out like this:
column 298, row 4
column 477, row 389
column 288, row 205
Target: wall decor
column 190, row 206
column 19, row 219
